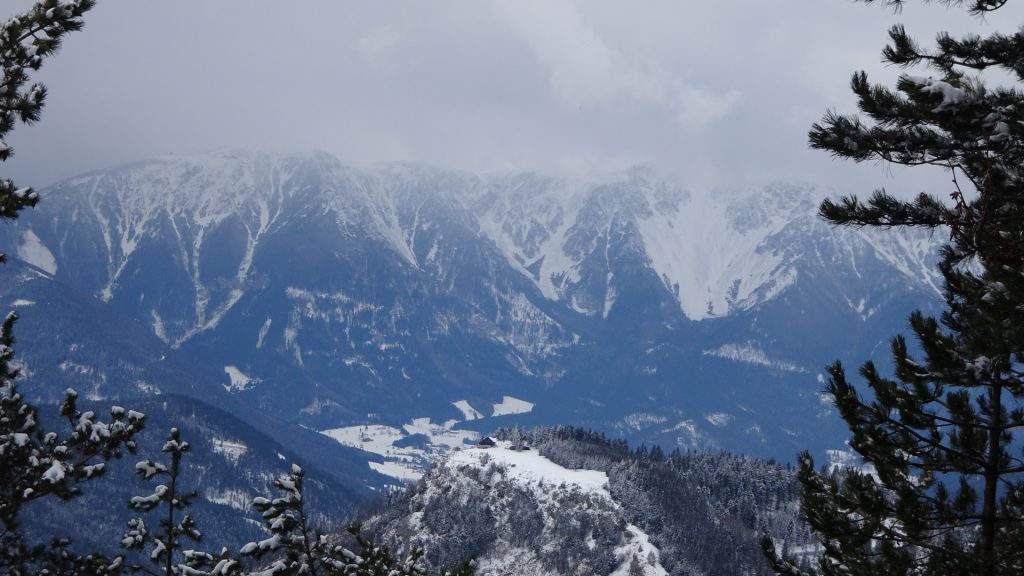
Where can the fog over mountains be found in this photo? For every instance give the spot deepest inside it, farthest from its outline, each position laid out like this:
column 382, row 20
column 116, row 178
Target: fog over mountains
column 404, row 308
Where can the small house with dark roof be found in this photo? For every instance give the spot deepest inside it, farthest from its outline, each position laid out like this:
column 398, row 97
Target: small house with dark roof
column 487, row 442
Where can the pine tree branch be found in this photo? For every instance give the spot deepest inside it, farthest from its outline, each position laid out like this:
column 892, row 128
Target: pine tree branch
column 898, row 427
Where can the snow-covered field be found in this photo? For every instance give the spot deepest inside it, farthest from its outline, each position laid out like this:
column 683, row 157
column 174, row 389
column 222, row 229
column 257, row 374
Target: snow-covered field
column 404, row 462
column 412, row 448
column 468, row 412
column 510, row 405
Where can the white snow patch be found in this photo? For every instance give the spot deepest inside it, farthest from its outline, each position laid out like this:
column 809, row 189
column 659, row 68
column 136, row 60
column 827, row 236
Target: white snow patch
column 750, row 353
column 710, row 272
column 32, row 250
column 55, row 473
column 647, row 555
column 468, row 412
column 237, row 499
column 76, row 368
column 689, row 435
column 404, row 462
column 510, row 405
column 398, row 470
column 839, row 460
column 158, row 325
column 443, row 435
column 641, row 420
column 375, row 438
column 231, row 450
column 239, row 380
column 317, row 406
column 262, row 336
column 531, row 469
column 951, row 95
column 718, row 419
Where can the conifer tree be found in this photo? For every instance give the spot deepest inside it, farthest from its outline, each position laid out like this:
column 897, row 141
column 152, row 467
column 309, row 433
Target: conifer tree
column 34, row 463
column 166, row 545
column 944, row 435
column 26, row 40
column 294, row 544
column 297, row 548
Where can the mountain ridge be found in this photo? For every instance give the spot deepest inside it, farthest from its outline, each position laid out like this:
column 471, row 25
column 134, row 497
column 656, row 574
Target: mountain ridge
column 334, row 296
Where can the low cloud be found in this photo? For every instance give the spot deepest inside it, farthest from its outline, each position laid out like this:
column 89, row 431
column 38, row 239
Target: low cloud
column 715, row 94
column 585, row 69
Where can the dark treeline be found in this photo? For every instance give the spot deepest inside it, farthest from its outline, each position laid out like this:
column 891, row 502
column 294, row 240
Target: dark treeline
column 705, row 511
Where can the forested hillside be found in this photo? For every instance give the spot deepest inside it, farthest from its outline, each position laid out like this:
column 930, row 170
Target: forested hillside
column 677, row 513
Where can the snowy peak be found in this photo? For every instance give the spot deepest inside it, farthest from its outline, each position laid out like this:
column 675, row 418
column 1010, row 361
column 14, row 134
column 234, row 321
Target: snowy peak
column 188, row 208
column 580, row 242
column 716, row 252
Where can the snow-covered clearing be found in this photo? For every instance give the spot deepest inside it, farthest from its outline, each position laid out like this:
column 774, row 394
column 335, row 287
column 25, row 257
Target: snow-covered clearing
column 32, row 250
column 231, row 450
column 510, row 405
column 237, row 499
column 404, row 462
column 239, row 380
column 468, row 412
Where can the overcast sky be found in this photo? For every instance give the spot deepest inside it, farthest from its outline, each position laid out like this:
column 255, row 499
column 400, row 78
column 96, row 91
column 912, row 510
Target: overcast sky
column 717, row 93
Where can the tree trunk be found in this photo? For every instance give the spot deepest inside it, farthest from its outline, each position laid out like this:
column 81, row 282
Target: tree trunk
column 988, row 510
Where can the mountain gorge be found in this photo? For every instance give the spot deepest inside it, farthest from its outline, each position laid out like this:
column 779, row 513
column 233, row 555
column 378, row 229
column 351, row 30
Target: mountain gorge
column 403, row 308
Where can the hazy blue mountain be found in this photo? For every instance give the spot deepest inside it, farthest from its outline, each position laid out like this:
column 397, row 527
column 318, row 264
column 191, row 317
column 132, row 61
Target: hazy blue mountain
column 66, row 339
column 336, row 297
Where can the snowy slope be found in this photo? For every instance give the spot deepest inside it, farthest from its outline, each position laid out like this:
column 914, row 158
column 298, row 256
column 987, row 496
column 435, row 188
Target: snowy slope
column 717, row 252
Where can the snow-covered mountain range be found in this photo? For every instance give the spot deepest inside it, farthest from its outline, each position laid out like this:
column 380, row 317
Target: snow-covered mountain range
column 426, row 304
